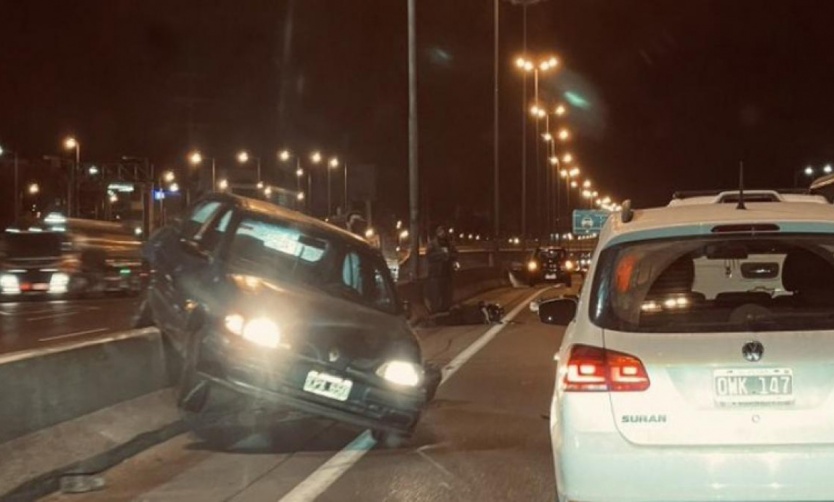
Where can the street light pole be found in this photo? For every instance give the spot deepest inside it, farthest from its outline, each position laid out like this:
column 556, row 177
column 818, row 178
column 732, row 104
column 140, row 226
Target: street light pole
column 346, row 188
column 413, row 169
column 495, row 179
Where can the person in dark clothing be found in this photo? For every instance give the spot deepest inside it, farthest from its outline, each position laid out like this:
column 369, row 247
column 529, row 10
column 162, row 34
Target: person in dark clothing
column 442, row 257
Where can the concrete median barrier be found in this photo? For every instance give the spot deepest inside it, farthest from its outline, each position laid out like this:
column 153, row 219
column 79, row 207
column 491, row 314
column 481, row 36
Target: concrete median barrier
column 42, row 388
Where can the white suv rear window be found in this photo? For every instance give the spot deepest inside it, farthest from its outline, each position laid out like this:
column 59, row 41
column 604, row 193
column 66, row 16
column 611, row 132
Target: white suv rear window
column 739, row 283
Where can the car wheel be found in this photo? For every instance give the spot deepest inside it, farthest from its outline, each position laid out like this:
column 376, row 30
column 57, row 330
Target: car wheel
column 389, row 440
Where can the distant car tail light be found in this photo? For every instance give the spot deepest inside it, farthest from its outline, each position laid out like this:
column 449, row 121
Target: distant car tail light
column 594, row 369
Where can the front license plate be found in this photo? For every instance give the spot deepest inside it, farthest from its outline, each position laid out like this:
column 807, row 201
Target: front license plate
column 326, row 385
column 550, row 276
column 753, row 386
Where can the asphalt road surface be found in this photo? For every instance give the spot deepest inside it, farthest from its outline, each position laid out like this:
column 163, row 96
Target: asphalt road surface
column 38, row 323
column 484, row 437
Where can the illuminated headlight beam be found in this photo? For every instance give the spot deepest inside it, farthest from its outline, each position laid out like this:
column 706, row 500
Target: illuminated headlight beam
column 401, row 373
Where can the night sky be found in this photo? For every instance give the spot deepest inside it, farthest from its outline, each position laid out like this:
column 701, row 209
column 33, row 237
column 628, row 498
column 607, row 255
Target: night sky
column 674, row 93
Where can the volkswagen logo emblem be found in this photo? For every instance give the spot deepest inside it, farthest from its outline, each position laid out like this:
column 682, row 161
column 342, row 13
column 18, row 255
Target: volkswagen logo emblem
column 753, row 351
column 333, row 355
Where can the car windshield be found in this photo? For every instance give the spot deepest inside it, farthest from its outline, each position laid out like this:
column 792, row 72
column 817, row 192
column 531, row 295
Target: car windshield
column 31, row 245
column 754, row 283
column 276, row 250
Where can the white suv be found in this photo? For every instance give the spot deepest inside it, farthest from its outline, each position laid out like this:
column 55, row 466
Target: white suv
column 698, row 363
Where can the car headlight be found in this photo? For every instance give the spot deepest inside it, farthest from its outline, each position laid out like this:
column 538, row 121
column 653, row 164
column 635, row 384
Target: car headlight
column 58, row 283
column 401, row 373
column 569, row 265
column 260, row 330
column 532, row 266
column 9, row 284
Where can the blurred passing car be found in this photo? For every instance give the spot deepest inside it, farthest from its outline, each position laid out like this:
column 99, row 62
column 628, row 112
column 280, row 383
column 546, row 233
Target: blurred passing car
column 550, row 264
column 279, row 306
column 699, row 363
column 69, row 256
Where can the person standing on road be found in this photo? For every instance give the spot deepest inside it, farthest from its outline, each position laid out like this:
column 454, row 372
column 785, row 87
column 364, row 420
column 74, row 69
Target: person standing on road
column 442, row 257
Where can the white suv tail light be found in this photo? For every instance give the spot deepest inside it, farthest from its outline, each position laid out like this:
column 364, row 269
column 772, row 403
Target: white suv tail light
column 594, row 369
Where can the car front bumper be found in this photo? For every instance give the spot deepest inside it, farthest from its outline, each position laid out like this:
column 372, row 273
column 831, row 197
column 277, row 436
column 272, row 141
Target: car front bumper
column 278, row 376
column 595, row 463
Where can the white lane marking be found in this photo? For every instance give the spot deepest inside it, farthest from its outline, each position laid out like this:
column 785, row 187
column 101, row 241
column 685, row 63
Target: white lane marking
column 63, row 314
column 323, row 478
column 71, row 335
column 329, row 472
column 464, row 356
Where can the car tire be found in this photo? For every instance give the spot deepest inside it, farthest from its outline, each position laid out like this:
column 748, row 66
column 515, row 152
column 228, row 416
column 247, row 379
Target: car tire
column 389, row 440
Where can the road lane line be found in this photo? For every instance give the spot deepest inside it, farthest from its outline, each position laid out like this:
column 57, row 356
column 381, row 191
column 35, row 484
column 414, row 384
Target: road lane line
column 328, row 473
column 71, row 335
column 62, row 314
column 465, row 355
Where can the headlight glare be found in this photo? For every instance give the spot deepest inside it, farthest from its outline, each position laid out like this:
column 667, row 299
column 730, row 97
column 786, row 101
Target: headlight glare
column 262, row 331
column 532, row 266
column 9, row 284
column 401, row 373
column 234, row 323
column 58, row 283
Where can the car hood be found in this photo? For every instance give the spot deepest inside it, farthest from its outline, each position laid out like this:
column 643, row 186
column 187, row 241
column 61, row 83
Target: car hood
column 317, row 322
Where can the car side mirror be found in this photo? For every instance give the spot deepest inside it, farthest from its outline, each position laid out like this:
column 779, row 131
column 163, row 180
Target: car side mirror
column 559, row 311
column 406, row 309
column 193, row 248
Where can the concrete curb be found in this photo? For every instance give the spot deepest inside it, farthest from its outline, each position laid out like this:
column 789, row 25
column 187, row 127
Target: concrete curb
column 49, row 482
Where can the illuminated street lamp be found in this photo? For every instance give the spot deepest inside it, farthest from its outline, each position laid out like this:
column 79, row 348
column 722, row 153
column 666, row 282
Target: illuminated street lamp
column 564, row 134
column 285, row 156
column 223, row 184
column 827, row 169
column 33, row 189
column 300, row 196
column 809, row 171
column 528, row 66
column 243, row 157
column 196, row 158
column 268, row 191
column 174, row 187
column 586, row 184
column 331, row 164
column 168, row 176
column 567, row 158
column 70, row 143
column 547, row 136
column 316, row 157
column 560, row 110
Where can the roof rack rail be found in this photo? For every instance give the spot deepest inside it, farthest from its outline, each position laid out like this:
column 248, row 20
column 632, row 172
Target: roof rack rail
column 688, row 194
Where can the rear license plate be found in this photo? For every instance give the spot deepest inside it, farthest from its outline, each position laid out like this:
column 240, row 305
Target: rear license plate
column 40, row 286
column 550, row 276
column 753, row 386
column 326, row 385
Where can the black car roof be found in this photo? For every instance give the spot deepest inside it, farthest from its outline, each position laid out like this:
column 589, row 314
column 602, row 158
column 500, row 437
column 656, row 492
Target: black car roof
column 263, row 208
